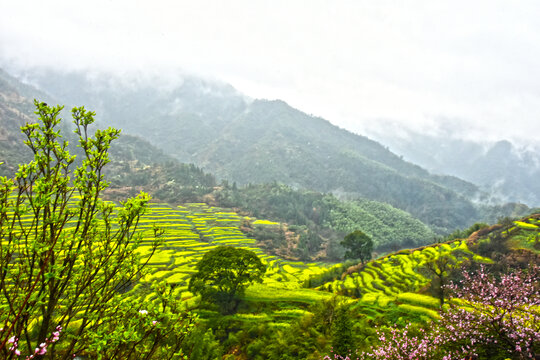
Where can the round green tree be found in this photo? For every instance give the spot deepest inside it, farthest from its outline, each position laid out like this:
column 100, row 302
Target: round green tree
column 358, row 245
column 223, row 274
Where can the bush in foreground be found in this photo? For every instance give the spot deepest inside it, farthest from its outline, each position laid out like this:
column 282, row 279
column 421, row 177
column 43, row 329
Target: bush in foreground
column 68, row 259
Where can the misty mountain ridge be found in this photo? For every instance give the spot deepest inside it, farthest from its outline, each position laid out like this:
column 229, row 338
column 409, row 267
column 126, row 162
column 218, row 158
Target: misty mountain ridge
column 506, row 170
column 259, row 141
column 136, row 165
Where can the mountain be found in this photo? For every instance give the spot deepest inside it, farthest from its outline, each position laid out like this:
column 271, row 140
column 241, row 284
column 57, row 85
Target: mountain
column 257, row 141
column 506, row 170
column 317, row 221
column 15, row 110
column 135, row 163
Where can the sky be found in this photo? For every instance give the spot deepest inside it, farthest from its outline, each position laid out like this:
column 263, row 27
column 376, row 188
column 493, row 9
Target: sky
column 458, row 68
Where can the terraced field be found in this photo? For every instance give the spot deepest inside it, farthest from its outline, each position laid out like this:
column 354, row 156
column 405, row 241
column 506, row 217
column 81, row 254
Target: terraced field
column 526, row 234
column 193, row 229
column 393, row 282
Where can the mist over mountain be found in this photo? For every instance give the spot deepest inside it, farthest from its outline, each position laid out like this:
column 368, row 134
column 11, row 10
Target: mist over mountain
column 136, row 165
column 15, row 110
column 506, row 170
column 246, row 141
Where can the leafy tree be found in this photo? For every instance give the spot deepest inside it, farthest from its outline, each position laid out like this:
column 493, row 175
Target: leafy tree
column 223, row 273
column 342, row 327
column 309, row 244
column 463, row 234
column 68, row 260
column 439, row 269
column 359, row 246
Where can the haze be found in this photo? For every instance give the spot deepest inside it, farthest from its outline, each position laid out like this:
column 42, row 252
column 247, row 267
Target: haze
column 469, row 69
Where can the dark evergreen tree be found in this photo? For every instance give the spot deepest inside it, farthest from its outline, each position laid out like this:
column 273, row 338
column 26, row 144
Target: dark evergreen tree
column 342, row 338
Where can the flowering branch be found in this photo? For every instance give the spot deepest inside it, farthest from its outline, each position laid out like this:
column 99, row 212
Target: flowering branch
column 488, row 317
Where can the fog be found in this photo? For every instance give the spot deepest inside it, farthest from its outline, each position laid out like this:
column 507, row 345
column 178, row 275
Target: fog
column 459, row 68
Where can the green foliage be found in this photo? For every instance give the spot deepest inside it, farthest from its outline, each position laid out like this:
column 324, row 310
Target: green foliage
column 342, row 328
column 328, row 323
column 223, row 274
column 464, row 234
column 494, row 245
column 391, row 229
column 309, row 243
column 272, row 235
column 438, row 268
column 359, row 246
column 201, row 344
column 168, row 180
column 69, row 259
column 328, row 217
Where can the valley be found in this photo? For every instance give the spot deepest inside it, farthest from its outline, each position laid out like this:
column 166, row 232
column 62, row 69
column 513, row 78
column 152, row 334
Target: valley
column 262, row 177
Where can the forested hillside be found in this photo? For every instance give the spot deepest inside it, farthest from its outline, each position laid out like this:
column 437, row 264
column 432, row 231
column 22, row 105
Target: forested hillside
column 328, row 219
column 317, row 222
column 260, row 140
column 245, row 141
column 15, row 110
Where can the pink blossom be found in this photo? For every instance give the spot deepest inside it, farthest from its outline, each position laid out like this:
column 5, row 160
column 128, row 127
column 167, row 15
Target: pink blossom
column 499, row 314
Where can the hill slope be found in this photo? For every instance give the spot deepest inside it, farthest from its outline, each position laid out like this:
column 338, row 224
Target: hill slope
column 246, row 141
column 136, row 165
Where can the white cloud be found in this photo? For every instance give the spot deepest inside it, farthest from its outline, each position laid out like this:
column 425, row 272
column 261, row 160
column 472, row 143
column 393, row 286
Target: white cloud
column 352, row 62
